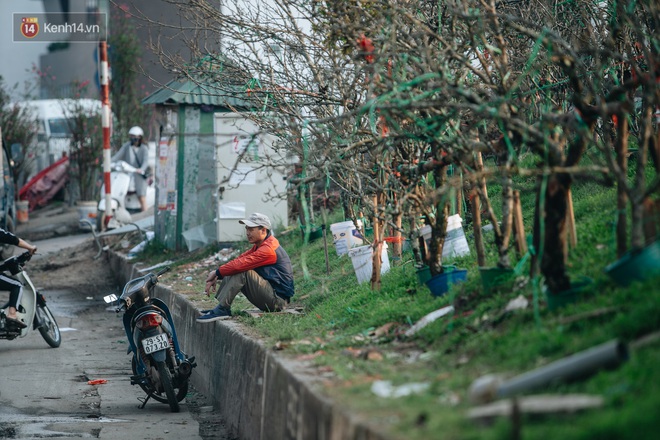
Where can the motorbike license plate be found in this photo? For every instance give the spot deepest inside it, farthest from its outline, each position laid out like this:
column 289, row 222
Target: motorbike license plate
column 155, row 343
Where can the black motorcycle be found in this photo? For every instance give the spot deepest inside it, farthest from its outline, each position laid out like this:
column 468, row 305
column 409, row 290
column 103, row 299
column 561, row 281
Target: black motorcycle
column 32, row 309
column 159, row 365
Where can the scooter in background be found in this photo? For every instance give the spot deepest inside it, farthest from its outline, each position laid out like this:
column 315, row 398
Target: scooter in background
column 32, row 309
column 124, row 199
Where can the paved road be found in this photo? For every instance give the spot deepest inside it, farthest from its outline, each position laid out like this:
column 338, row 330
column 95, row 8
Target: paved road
column 44, row 392
column 56, row 244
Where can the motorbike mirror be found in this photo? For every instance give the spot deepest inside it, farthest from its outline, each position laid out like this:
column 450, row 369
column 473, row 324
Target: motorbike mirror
column 110, row 298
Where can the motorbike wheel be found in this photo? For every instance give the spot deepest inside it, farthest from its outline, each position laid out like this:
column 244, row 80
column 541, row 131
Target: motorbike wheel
column 49, row 329
column 166, row 382
column 182, row 389
column 147, row 388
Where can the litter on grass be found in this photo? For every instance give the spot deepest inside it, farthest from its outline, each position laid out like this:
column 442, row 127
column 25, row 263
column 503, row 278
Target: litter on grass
column 384, row 388
column 140, row 247
column 426, row 320
column 518, row 303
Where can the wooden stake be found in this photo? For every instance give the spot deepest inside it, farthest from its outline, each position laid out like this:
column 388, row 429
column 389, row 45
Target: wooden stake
column 377, row 246
column 570, row 220
column 375, row 222
column 476, row 209
column 518, row 225
column 480, row 167
column 459, row 198
column 478, row 233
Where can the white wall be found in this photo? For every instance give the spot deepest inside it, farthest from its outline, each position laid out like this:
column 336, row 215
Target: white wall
column 248, row 183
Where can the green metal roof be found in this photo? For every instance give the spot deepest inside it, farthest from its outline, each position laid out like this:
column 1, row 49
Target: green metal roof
column 192, row 93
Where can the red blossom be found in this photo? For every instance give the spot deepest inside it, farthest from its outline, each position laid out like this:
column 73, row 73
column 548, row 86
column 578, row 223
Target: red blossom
column 384, row 129
column 367, row 47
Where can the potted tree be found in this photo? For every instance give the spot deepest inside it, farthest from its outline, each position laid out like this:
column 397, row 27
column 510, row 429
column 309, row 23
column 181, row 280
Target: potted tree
column 499, row 275
column 436, row 213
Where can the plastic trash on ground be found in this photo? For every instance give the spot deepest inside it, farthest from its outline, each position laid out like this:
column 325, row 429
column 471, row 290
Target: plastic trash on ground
column 426, row 320
column 140, row 247
column 384, row 388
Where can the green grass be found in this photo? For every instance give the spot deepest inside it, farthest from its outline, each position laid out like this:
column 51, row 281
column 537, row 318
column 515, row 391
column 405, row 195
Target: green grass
column 342, row 327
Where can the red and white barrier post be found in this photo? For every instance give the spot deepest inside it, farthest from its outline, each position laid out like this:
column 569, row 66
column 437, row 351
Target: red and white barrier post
column 105, row 123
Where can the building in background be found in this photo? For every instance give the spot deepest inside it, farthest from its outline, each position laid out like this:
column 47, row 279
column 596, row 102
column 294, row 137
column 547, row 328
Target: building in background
column 69, row 64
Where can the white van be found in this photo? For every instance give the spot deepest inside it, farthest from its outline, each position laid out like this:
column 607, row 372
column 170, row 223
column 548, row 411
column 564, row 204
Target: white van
column 53, row 133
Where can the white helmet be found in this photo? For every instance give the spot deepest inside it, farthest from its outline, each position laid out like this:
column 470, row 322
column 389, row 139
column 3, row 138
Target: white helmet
column 136, row 131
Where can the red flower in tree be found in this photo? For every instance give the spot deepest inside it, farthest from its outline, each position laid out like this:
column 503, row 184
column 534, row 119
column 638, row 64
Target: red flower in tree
column 367, row 47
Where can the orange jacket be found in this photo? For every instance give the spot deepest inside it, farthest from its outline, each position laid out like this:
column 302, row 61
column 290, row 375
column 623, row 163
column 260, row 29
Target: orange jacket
column 270, row 261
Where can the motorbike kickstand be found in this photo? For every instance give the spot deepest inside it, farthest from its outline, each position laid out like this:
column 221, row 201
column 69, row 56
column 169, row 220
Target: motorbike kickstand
column 144, row 403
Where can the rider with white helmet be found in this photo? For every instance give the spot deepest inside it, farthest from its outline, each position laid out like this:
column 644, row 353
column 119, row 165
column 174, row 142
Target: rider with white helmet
column 136, row 131
column 136, row 153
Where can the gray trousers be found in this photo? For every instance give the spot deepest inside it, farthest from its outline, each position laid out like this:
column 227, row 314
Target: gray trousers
column 141, row 185
column 257, row 290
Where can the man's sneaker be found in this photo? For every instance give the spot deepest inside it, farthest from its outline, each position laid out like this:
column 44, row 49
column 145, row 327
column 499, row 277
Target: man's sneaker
column 215, row 315
column 203, row 311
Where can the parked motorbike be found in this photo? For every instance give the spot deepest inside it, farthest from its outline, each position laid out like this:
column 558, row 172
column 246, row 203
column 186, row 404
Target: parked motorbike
column 32, row 309
column 159, row 365
column 124, row 199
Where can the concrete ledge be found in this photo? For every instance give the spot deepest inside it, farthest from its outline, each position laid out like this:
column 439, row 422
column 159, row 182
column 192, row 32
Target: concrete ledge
column 259, row 394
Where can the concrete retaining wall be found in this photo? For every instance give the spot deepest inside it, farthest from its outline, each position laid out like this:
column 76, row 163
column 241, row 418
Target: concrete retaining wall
column 258, row 393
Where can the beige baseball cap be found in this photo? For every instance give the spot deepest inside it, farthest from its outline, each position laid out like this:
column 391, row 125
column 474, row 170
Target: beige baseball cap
column 256, row 219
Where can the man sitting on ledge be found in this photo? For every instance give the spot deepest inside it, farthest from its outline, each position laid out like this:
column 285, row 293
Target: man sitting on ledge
column 263, row 273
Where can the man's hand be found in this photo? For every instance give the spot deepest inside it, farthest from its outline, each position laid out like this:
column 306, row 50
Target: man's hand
column 211, row 281
column 27, row 246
